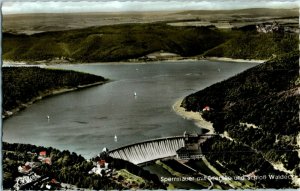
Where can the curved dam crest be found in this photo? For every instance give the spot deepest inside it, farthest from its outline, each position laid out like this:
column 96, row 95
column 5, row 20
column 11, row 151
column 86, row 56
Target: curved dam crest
column 159, row 148
column 149, row 150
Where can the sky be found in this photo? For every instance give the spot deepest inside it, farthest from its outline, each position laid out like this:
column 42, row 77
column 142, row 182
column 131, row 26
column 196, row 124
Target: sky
column 17, row 7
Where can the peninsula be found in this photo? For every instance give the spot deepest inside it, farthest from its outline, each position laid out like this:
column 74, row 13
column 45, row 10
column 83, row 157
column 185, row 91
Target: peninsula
column 23, row 86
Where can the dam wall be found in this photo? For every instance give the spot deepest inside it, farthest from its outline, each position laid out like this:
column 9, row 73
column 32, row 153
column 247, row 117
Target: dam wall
column 149, row 150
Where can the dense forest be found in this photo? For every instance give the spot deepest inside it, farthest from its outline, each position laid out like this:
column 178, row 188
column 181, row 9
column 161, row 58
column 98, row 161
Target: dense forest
column 258, row 108
column 110, row 43
column 68, row 168
column 22, row 84
column 253, row 45
column 131, row 41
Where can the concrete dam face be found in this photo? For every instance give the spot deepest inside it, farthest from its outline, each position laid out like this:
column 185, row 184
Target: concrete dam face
column 149, row 150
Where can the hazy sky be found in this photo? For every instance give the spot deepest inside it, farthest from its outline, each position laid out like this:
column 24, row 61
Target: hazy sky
column 9, row 7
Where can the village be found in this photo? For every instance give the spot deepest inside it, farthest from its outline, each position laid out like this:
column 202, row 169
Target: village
column 30, row 179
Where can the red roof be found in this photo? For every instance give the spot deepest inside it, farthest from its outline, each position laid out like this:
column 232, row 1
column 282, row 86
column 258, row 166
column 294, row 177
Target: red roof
column 101, row 162
column 26, row 167
column 43, row 153
column 206, row 108
column 53, row 181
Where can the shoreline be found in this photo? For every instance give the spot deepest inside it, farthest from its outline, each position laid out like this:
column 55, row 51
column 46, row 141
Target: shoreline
column 45, row 94
column 196, row 117
column 7, row 63
column 227, row 59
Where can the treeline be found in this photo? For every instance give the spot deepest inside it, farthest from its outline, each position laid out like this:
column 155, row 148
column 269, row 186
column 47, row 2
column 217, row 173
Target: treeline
column 22, row 84
column 258, row 107
column 129, row 41
column 67, row 168
column 254, row 45
column 111, row 43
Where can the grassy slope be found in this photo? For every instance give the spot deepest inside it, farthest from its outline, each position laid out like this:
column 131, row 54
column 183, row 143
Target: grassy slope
column 265, row 96
column 121, row 42
column 25, row 83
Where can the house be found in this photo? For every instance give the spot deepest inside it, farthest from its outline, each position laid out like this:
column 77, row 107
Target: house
column 44, row 159
column 206, row 108
column 53, row 185
column 33, row 164
column 24, row 169
column 28, row 167
column 48, row 186
column 53, row 181
column 47, row 161
column 269, row 27
column 31, row 153
column 102, row 166
column 102, row 163
column 43, row 154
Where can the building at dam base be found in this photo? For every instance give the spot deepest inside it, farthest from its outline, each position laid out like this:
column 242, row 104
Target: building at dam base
column 183, row 147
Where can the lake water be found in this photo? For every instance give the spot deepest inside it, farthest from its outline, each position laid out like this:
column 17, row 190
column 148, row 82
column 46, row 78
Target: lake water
column 85, row 121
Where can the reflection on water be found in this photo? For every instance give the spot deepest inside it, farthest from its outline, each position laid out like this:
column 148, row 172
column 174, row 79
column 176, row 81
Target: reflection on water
column 85, row 121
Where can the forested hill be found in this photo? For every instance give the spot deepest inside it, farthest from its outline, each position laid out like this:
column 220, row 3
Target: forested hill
column 110, row 43
column 24, row 84
column 258, row 108
column 133, row 41
column 252, row 45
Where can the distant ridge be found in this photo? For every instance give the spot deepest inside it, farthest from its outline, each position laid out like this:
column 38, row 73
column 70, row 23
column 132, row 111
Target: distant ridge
column 249, row 11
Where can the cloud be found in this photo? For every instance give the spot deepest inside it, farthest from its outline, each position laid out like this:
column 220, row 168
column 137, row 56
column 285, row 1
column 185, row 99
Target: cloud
column 118, row 6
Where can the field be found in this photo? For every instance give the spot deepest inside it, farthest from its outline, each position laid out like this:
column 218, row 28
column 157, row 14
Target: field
column 36, row 23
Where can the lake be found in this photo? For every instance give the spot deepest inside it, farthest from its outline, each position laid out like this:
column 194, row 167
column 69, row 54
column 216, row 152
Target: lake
column 87, row 120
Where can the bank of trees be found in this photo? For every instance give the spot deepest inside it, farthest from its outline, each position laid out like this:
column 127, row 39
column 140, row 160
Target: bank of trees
column 254, row 45
column 21, row 84
column 265, row 97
